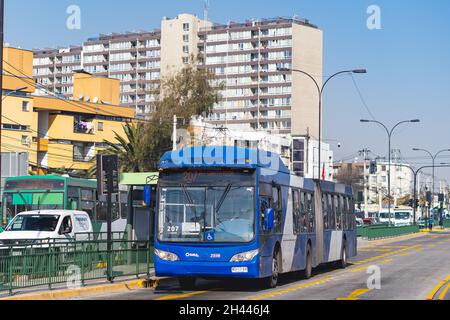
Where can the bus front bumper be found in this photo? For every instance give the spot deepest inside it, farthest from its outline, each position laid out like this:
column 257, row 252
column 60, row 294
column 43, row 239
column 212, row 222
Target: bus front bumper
column 207, row 269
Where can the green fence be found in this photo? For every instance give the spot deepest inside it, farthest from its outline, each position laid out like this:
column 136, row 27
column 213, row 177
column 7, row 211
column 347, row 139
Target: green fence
column 73, row 263
column 447, row 224
column 383, row 231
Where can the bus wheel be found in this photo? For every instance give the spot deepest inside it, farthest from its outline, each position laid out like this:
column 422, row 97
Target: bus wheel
column 308, row 269
column 343, row 262
column 187, row 283
column 272, row 281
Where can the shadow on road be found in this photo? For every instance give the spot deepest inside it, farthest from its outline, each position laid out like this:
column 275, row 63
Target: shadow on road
column 241, row 285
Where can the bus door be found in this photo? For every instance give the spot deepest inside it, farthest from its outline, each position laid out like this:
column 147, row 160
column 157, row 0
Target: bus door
column 319, row 223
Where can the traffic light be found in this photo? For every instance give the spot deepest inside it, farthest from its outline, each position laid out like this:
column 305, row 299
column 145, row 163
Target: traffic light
column 429, row 197
column 373, row 167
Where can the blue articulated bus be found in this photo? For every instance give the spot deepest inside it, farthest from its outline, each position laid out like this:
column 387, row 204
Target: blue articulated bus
column 228, row 212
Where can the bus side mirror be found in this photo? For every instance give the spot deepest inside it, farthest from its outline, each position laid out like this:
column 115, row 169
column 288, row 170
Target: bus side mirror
column 269, row 219
column 147, row 196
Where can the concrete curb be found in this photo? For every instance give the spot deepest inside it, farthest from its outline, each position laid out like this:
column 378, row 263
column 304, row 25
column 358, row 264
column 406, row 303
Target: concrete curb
column 92, row 291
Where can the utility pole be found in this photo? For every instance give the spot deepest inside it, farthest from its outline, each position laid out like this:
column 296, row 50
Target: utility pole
column 2, row 25
column 365, row 153
column 174, row 136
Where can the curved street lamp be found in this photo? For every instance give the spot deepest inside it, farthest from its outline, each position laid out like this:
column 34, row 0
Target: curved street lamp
column 390, row 133
column 320, row 90
column 433, row 158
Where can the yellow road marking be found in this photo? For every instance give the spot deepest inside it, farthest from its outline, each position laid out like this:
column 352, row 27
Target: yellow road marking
column 437, row 288
column 405, row 254
column 444, row 292
column 289, row 290
column 182, row 296
column 386, row 255
column 375, row 250
column 365, row 267
column 355, row 294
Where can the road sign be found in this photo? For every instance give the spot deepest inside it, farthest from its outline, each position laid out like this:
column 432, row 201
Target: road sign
column 107, row 174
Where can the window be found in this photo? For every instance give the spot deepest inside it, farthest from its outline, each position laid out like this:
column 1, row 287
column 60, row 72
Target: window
column 185, row 37
column 100, row 126
column 325, row 211
column 25, row 106
column 25, row 140
column 186, row 49
column 296, row 211
column 278, row 208
column 186, row 27
column 186, row 60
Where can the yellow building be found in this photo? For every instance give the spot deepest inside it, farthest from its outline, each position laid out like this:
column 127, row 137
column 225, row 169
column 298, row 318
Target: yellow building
column 58, row 133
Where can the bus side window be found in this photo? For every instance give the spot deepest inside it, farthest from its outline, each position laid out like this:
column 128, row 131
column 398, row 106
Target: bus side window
column 346, row 216
column 264, row 204
column 311, row 213
column 325, row 211
column 296, row 211
column 303, row 214
column 340, row 213
column 277, row 207
column 330, row 212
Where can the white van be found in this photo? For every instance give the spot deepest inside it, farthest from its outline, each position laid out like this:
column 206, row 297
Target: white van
column 384, row 216
column 403, row 217
column 49, row 225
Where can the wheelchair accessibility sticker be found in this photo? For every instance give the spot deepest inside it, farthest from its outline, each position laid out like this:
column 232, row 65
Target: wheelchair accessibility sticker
column 210, row 236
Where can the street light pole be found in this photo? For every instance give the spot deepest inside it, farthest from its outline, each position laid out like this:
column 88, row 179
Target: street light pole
column 433, row 158
column 320, row 90
column 390, row 133
column 2, row 23
column 416, row 174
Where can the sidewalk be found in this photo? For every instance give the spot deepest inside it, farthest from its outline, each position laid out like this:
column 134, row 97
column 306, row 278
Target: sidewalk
column 61, row 291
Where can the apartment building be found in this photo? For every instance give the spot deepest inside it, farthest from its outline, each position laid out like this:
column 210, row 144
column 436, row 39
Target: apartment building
column 58, row 133
column 247, row 58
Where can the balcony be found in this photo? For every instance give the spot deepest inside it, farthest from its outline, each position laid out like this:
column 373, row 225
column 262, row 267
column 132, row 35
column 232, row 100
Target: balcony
column 83, row 125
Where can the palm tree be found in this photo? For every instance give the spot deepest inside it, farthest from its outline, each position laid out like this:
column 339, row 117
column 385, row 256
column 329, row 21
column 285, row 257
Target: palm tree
column 129, row 148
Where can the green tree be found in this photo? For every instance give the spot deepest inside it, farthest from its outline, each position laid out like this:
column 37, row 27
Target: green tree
column 129, row 148
column 189, row 92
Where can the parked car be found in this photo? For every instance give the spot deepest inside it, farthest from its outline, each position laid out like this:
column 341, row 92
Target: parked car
column 46, row 226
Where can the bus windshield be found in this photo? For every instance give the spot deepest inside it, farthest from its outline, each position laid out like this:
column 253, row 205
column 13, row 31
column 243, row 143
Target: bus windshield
column 18, row 202
column 207, row 214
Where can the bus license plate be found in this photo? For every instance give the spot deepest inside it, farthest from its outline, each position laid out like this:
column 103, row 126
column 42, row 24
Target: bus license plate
column 239, row 270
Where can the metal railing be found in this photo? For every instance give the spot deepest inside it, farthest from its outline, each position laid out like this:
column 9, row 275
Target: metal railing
column 383, row 231
column 47, row 263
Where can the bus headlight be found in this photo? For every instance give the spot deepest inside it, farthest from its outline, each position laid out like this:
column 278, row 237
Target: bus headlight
column 166, row 256
column 245, row 256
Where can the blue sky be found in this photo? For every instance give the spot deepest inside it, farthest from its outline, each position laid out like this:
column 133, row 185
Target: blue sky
column 408, row 59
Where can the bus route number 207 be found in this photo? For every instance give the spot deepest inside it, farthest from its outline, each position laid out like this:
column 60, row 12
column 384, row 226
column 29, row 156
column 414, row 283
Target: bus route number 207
column 173, row 229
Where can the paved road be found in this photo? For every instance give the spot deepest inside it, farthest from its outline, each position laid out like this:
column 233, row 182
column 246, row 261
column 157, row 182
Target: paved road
column 413, row 269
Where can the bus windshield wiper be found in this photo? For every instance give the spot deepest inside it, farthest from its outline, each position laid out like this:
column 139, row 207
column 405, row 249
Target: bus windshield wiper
column 191, row 202
column 223, row 197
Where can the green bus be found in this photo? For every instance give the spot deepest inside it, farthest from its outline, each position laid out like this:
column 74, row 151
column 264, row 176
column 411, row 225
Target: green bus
column 49, row 192
column 52, row 192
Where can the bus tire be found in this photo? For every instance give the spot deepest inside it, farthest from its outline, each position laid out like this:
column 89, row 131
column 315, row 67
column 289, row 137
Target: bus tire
column 342, row 264
column 187, row 283
column 272, row 281
column 309, row 267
